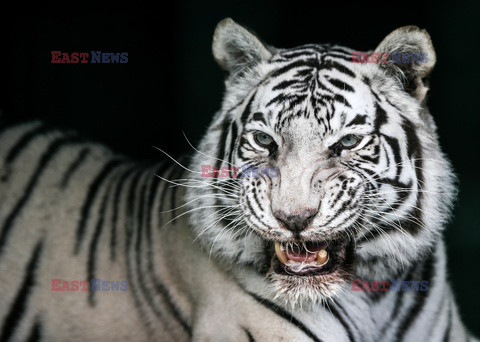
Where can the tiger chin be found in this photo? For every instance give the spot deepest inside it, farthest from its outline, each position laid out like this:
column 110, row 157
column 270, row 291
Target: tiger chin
column 311, row 273
column 305, row 274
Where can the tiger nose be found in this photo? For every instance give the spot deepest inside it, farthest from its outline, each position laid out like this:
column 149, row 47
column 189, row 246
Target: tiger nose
column 296, row 222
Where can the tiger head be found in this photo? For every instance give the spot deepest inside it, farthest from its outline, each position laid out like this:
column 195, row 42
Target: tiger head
column 338, row 170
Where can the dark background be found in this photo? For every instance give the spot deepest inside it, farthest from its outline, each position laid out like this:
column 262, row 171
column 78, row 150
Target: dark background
column 171, row 82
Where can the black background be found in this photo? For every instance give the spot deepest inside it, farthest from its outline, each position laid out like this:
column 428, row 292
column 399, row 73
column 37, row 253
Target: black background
column 171, row 82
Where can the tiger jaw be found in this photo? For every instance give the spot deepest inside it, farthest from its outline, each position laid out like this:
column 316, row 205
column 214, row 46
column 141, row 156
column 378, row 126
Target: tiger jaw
column 294, row 258
column 306, row 273
column 312, row 258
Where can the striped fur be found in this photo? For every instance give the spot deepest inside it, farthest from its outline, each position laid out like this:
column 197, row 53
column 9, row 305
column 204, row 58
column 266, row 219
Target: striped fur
column 198, row 256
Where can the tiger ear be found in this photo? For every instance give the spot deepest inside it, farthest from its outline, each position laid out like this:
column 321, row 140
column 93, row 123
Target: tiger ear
column 411, row 58
column 235, row 48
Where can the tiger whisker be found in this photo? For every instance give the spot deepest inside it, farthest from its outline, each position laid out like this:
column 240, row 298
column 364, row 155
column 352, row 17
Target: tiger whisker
column 230, row 211
column 216, row 196
column 192, row 186
column 192, row 210
column 175, row 161
column 204, row 154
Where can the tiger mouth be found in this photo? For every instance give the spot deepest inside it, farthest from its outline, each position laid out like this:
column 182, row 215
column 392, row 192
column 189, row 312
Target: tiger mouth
column 312, row 257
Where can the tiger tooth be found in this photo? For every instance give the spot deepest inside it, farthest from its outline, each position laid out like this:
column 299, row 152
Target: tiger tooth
column 281, row 255
column 322, row 257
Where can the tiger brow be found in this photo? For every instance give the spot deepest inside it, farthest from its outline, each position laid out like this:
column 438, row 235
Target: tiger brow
column 260, row 117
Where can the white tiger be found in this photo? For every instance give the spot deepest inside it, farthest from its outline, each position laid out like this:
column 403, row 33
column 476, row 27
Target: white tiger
column 361, row 190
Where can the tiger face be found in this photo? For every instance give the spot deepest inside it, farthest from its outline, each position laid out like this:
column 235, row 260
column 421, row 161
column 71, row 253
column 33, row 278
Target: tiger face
column 359, row 175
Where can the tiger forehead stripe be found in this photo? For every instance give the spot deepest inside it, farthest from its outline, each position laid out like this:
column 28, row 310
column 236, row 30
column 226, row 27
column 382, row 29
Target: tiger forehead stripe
column 260, row 117
column 359, row 119
column 307, row 84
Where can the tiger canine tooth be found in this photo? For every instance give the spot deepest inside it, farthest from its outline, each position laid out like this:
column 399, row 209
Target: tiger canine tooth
column 322, row 257
column 280, row 253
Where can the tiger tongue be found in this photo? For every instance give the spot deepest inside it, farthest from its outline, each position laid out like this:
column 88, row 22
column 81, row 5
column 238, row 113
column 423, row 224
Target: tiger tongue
column 301, row 255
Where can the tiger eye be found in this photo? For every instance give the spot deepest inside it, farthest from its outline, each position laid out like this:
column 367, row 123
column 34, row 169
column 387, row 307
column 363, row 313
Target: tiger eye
column 349, row 141
column 263, row 139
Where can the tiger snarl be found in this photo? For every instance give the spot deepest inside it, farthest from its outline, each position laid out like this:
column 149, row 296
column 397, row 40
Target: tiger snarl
column 337, row 176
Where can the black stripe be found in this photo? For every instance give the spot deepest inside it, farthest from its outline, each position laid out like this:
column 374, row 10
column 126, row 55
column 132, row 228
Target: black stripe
column 222, row 142
column 316, row 48
column 160, row 289
column 357, row 120
column 340, row 84
column 233, row 140
column 226, row 126
column 399, row 300
column 249, row 335
column 243, row 147
column 413, row 142
column 285, row 84
column 158, row 284
column 246, row 112
column 418, row 301
column 309, row 63
column 116, row 203
column 286, row 315
column 280, row 98
column 253, row 212
column 413, row 223
column 92, row 252
column 340, row 211
column 414, row 150
column 342, row 100
column 299, row 53
column 397, row 159
column 443, row 305
column 153, row 195
column 366, row 80
column 23, row 142
column 163, row 207
column 340, row 67
column 19, row 306
column 446, row 334
column 131, row 201
column 295, row 100
column 370, row 159
column 380, row 117
column 337, row 198
column 140, row 215
column 173, row 195
column 41, row 167
column 255, row 197
column 129, row 230
column 89, row 199
column 339, row 56
column 259, row 116
column 35, row 333
column 74, row 166
column 333, row 309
